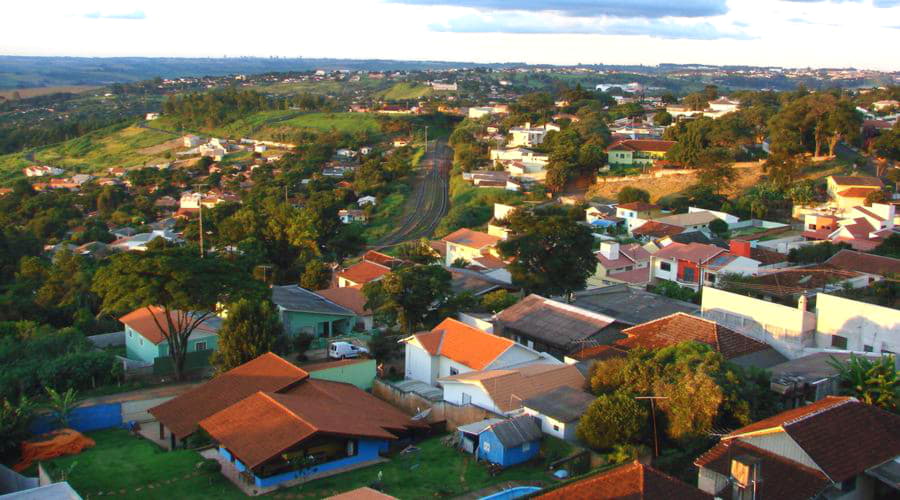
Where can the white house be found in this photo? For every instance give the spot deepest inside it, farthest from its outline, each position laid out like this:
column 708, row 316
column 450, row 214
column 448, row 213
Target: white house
column 728, row 218
column 453, row 347
column 856, row 326
column 480, row 112
column 523, row 155
column 151, row 116
column 191, row 141
column 559, row 410
column 530, row 136
column 140, row 241
column 42, row 171
column 468, row 245
column 366, row 200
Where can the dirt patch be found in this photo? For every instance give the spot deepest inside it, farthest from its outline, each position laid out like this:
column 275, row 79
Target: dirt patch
column 162, row 148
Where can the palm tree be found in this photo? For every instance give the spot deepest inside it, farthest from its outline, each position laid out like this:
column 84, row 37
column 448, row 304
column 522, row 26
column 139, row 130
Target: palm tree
column 62, row 404
column 873, row 382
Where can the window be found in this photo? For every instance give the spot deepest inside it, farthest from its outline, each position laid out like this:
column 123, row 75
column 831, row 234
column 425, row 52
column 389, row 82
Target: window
column 129, row 333
column 453, row 371
column 665, row 266
column 689, row 274
column 839, row 342
column 812, row 227
column 868, row 348
column 201, row 346
column 486, row 446
column 141, row 341
column 526, row 447
column 466, row 398
column 555, row 427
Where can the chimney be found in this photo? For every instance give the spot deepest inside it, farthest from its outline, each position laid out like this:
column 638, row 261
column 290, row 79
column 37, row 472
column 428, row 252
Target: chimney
column 802, row 302
column 740, row 248
column 745, row 477
column 610, row 249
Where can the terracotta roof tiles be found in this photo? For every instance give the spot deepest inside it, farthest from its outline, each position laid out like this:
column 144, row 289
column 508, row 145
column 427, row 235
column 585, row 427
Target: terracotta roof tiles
column 473, row 239
column 142, row 321
column 629, row 482
column 463, row 343
column 364, row 272
column 681, row 327
column 850, row 260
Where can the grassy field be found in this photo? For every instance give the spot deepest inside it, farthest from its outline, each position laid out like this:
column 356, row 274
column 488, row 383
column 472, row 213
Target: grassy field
column 402, row 91
column 389, row 211
column 98, row 150
column 472, row 207
column 273, row 124
column 124, row 466
column 37, row 91
column 344, row 122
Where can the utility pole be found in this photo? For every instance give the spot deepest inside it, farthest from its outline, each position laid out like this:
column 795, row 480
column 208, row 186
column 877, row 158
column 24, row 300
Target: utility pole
column 653, row 413
column 426, row 139
column 200, row 209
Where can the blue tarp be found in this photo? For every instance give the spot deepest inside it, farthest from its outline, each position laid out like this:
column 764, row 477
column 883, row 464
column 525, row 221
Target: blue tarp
column 84, row 419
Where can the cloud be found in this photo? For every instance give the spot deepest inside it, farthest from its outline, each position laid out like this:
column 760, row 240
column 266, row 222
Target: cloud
column 525, row 24
column 800, row 20
column 881, row 4
column 135, row 15
column 650, row 9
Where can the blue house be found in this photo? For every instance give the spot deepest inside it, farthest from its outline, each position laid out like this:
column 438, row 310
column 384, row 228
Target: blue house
column 144, row 341
column 303, row 311
column 503, row 442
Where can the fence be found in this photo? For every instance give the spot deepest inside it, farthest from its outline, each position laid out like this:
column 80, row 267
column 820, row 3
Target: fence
column 361, row 338
column 83, row 419
column 197, row 360
column 441, row 411
column 11, row 481
column 108, row 339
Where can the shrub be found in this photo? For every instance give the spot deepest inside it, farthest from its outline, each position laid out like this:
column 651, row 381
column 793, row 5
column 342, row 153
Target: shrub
column 611, row 420
column 629, row 194
column 302, row 342
column 210, row 465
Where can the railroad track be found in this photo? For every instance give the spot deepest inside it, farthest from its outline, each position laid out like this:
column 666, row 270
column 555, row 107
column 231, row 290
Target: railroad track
column 432, row 200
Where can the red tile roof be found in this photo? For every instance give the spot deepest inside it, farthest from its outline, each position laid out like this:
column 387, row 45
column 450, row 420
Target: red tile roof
column 364, row 272
column 628, row 255
column 473, row 239
column 681, row 327
column 850, row 260
column 635, row 276
column 142, row 321
column 847, row 180
column 782, row 478
column 656, row 229
column 639, row 206
column 268, row 373
column 691, row 252
column 509, row 387
column 641, row 145
column 265, row 424
column 350, row 297
column 463, row 343
column 628, row 482
column 598, row 353
column 857, row 192
column 841, row 435
column 381, row 258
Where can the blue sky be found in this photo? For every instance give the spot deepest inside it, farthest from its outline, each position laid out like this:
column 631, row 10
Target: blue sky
column 818, row 33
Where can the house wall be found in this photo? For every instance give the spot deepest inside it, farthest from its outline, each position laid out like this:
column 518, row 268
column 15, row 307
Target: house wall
column 454, row 391
column 658, row 273
column 445, row 364
column 517, row 354
column 711, row 481
column 863, row 325
column 419, row 364
column 492, row 450
column 787, row 329
column 452, row 415
column 139, row 348
column 455, row 251
column 782, row 445
column 553, row 427
column 361, row 374
column 315, row 323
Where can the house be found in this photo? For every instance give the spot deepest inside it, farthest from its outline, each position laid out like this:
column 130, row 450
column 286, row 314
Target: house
column 139, row 242
column 684, row 264
column 504, row 442
column 467, row 245
column 529, row 136
column 856, row 326
column 303, row 311
column 885, row 104
column 502, row 391
column 151, row 116
column 876, row 267
column 863, row 228
column 630, row 305
column 847, row 191
column 191, row 141
column 361, row 273
column 681, row 327
column 145, row 341
column 42, row 171
column 316, row 420
column 352, row 216
column 364, row 493
column 652, row 230
column 691, row 221
column 366, row 200
column 637, row 152
column 360, row 372
column 351, row 298
column 453, row 347
column 549, row 326
column 621, row 264
column 477, row 112
column 834, row 448
column 526, row 156
column 632, row 481
column 559, row 410
column 475, row 282
column 636, row 213
column 787, row 285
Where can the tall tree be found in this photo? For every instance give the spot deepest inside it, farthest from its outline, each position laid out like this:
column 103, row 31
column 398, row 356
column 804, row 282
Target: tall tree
column 251, row 329
column 550, row 255
column 187, row 289
column 408, row 295
column 873, row 382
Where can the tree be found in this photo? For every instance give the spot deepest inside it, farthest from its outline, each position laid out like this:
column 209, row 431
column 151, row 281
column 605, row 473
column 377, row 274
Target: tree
column 250, row 330
column 887, row 145
column 418, row 252
column 14, row 421
column 316, row 275
column 719, row 227
column 407, row 295
column 550, row 255
column 612, row 419
column 184, row 288
column 875, row 197
column 498, row 300
column 662, row 118
column 873, row 382
column 816, row 254
column 629, row 194
column 890, row 247
column 716, row 169
column 62, row 404
column 696, row 101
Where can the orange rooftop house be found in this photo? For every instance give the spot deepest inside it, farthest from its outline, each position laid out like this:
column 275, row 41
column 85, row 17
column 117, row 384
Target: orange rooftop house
column 847, row 192
column 637, row 152
column 468, row 245
column 276, row 426
column 144, row 341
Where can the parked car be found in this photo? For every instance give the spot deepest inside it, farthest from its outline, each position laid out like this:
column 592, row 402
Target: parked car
column 341, row 350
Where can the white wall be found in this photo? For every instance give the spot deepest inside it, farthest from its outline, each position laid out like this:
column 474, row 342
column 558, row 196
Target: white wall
column 418, row 364
column 781, row 444
column 562, row 430
column 860, row 323
column 453, row 393
column 518, row 355
column 444, row 364
column 657, row 272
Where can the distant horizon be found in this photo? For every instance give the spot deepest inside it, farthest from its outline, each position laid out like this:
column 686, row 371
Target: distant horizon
column 448, row 61
column 759, row 33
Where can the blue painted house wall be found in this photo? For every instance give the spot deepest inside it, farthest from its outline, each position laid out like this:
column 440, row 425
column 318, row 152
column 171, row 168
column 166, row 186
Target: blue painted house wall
column 367, row 450
column 139, row 348
column 491, row 449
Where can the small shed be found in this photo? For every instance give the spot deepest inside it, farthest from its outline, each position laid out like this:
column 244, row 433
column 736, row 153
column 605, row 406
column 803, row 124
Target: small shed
column 509, row 442
column 559, row 410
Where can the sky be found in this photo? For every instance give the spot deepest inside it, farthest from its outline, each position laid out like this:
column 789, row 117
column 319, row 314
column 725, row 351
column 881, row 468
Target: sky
column 790, row 33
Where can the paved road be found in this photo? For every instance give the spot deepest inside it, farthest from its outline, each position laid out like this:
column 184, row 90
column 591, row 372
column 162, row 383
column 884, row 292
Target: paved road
column 431, row 198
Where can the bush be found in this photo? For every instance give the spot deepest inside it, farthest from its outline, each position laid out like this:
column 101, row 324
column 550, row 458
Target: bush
column 301, row 344
column 630, row 194
column 612, row 419
column 210, row 465
column 718, row 226
column 674, row 291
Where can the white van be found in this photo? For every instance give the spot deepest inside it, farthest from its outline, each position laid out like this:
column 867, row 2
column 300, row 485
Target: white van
column 341, row 350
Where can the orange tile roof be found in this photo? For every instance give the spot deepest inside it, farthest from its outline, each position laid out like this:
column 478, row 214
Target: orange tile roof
column 641, row 145
column 364, row 493
column 639, row 206
column 847, row 180
column 350, row 297
column 850, row 260
column 634, row 481
column 472, row 239
column 142, row 321
column 364, row 272
column 463, row 343
column 268, row 372
column 656, row 229
column 508, row 388
column 681, row 327
column 265, row 424
column 692, row 252
column 381, row 258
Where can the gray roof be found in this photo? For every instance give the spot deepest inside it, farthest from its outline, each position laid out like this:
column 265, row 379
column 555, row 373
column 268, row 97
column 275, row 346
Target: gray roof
column 565, row 404
column 553, row 322
column 630, row 305
column 466, row 280
column 517, row 431
column 763, row 359
column 53, row 491
column 814, row 366
column 480, row 426
column 295, row 298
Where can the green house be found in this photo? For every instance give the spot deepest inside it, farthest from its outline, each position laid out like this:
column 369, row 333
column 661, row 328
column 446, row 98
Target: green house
column 303, row 311
column 145, row 342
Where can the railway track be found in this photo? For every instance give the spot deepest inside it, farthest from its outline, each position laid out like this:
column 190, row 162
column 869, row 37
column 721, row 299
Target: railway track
column 432, row 200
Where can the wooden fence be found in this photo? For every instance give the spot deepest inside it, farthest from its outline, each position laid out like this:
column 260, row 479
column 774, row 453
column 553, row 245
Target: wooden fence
column 441, row 411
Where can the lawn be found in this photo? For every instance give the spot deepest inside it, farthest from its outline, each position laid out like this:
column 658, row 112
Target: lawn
column 343, row 122
column 109, row 147
column 403, row 91
column 136, row 468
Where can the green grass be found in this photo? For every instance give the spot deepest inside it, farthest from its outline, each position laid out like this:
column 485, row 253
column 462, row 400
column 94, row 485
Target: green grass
column 387, row 214
column 136, row 468
column 343, row 122
column 276, row 124
column 403, row 91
